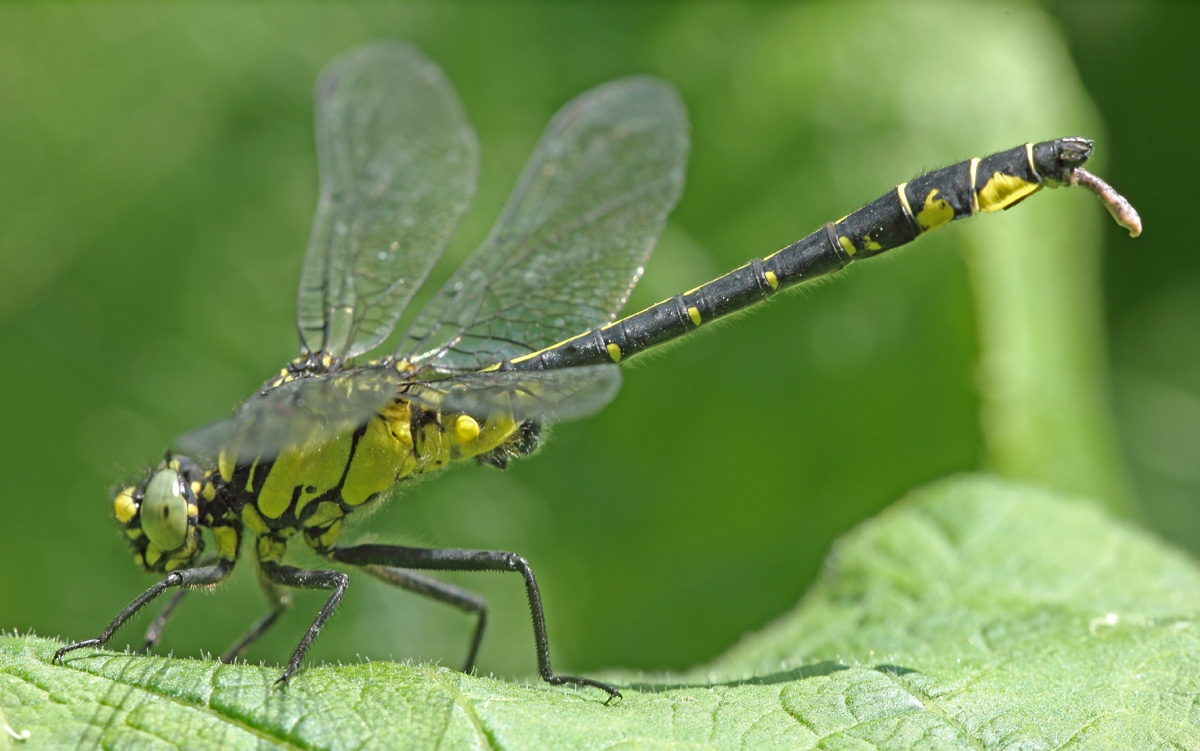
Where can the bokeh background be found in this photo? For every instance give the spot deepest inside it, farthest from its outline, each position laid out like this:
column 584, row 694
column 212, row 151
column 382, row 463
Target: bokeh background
column 157, row 179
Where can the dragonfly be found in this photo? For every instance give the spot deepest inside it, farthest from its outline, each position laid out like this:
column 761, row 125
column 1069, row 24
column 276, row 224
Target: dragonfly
column 525, row 332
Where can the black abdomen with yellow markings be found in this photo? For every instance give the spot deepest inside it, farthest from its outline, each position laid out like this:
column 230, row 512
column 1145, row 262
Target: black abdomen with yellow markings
column 524, row 331
column 921, row 205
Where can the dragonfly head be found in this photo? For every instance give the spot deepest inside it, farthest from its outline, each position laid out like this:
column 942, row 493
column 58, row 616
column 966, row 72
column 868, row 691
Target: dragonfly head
column 161, row 515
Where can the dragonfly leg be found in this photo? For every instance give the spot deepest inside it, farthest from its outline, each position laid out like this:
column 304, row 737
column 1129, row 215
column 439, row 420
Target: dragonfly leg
column 202, row 576
column 155, row 629
column 288, row 576
column 277, row 596
column 279, row 599
column 452, row 559
column 427, row 586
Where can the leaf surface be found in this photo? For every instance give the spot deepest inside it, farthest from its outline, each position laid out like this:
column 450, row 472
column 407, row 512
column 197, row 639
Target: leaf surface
column 974, row 614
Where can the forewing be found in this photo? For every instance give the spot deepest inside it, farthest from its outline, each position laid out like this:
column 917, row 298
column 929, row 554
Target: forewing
column 562, row 394
column 308, row 410
column 398, row 164
column 313, row 409
column 574, row 237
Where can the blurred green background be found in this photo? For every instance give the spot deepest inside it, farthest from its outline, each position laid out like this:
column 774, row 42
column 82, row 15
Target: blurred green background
column 157, row 180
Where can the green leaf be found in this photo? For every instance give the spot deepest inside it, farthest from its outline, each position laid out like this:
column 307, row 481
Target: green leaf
column 974, row 614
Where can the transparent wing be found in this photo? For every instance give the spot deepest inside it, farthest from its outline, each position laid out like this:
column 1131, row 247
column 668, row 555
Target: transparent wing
column 574, row 237
column 309, row 409
column 314, row 408
column 564, row 394
column 398, row 163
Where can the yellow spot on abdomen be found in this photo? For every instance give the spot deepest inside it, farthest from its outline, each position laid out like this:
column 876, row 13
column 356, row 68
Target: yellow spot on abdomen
column 870, row 244
column 935, row 213
column 614, row 352
column 847, row 245
column 1002, row 191
column 772, row 279
column 900, row 193
column 694, row 314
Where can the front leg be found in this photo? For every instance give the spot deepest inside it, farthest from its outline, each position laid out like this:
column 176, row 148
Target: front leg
column 156, row 627
column 277, row 597
column 201, row 576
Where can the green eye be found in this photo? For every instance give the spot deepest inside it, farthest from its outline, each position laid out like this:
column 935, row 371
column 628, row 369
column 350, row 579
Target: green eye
column 164, row 510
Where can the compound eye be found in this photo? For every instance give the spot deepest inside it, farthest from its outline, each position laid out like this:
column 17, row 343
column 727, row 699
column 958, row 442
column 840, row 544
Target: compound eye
column 164, row 510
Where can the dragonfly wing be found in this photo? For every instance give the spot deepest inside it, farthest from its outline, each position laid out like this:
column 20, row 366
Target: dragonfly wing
column 562, row 394
column 574, row 237
column 312, row 409
column 398, row 164
column 309, row 409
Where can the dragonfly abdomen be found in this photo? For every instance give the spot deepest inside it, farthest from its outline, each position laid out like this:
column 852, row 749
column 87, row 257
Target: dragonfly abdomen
column 900, row 216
